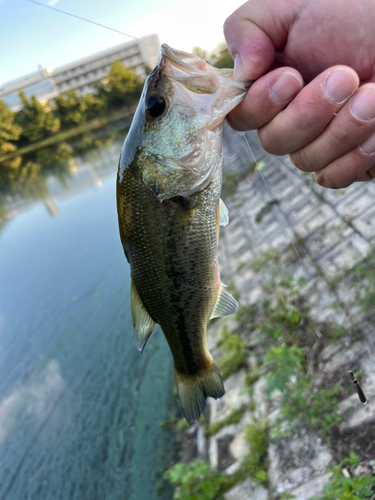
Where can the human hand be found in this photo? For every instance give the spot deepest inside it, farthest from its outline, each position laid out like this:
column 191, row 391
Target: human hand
column 314, row 95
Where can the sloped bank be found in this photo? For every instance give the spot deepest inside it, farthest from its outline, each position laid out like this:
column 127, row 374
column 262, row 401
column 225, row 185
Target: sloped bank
column 300, row 259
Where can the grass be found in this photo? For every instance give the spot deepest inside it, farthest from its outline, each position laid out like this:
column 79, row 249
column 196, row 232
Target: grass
column 233, row 418
column 348, row 488
column 254, row 464
column 234, row 353
column 263, row 260
column 195, row 481
column 232, row 180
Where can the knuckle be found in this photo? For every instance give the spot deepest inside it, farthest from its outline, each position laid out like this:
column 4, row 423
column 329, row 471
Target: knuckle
column 303, row 161
column 304, row 120
column 270, row 141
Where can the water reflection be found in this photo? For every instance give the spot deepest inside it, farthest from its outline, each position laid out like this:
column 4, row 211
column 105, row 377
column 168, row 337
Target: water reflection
column 79, row 406
column 61, row 168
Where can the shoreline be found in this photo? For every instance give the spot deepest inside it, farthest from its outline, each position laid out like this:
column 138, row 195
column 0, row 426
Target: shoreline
column 95, row 124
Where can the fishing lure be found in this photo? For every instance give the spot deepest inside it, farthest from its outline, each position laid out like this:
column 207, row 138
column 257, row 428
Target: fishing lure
column 360, row 393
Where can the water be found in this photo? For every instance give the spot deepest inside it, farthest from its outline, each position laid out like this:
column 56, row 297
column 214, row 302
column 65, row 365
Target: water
column 80, row 407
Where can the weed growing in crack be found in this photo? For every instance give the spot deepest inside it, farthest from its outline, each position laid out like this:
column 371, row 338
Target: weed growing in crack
column 348, row 486
column 195, row 480
column 234, row 353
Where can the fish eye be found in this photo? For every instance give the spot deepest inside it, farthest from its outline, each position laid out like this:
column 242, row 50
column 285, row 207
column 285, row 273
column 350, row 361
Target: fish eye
column 156, row 105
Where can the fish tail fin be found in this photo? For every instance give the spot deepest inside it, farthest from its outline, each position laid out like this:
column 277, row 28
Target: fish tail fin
column 193, row 391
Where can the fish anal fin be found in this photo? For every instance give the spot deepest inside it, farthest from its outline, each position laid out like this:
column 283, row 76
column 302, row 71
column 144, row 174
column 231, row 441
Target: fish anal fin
column 143, row 324
column 225, row 305
column 193, row 391
column 223, row 214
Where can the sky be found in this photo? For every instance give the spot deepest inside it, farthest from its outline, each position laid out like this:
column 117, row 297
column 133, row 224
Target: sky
column 32, row 35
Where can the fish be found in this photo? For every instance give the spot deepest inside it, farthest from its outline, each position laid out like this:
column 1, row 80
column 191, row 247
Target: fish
column 169, row 211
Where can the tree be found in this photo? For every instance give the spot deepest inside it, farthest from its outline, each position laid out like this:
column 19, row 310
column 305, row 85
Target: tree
column 94, row 105
column 198, row 51
column 70, row 109
column 73, row 109
column 224, row 61
column 36, row 120
column 9, row 131
column 123, row 87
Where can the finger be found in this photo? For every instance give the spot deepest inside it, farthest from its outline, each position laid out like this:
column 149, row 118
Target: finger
column 253, row 35
column 356, row 165
column 311, row 111
column 265, row 98
column 354, row 123
column 368, row 176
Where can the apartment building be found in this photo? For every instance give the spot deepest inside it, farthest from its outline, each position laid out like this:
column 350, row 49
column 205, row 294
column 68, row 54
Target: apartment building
column 82, row 75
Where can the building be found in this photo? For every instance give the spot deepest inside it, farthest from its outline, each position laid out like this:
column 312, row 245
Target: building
column 83, row 74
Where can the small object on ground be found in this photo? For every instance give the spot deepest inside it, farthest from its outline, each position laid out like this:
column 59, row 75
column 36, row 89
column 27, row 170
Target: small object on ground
column 361, row 394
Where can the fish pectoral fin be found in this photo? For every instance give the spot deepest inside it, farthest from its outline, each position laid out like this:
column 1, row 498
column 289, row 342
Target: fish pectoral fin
column 143, row 324
column 193, row 391
column 223, row 214
column 225, row 305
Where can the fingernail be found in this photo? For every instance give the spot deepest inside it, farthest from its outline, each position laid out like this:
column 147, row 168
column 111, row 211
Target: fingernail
column 340, row 85
column 285, row 88
column 368, row 147
column 237, row 70
column 363, row 105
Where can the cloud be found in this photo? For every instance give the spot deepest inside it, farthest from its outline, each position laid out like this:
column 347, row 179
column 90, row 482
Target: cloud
column 52, row 2
column 32, row 398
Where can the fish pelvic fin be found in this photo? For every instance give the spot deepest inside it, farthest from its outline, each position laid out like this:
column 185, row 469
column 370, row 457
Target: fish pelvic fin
column 193, row 391
column 143, row 324
column 225, row 306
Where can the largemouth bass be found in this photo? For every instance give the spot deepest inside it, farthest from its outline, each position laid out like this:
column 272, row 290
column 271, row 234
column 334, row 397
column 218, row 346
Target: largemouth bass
column 169, row 210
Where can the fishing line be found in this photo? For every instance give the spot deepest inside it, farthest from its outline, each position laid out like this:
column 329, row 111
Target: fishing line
column 259, row 170
column 258, row 167
column 360, row 392
column 91, row 22
column 284, row 226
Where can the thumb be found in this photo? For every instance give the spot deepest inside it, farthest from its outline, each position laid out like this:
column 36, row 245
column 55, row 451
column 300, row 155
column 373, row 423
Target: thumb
column 254, row 32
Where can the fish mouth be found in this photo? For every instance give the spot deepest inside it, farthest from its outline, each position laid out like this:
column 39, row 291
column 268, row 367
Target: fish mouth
column 197, row 66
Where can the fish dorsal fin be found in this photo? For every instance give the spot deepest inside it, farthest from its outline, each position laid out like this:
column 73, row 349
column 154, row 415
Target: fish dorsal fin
column 223, row 214
column 142, row 322
column 225, row 305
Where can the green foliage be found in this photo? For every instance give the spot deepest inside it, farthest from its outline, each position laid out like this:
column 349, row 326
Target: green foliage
column 263, row 259
column 240, row 266
column 182, row 425
column 284, row 313
column 233, row 418
column 245, row 314
column 234, row 353
column 123, row 87
column 254, row 464
column 195, row 481
column 73, row 109
column 94, row 106
column 255, row 461
column 364, row 274
column 35, row 119
column 225, row 60
column 9, row 133
column 70, row 108
column 233, row 290
column 349, row 488
column 316, row 407
column 231, row 181
column 202, row 53
column 283, row 361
